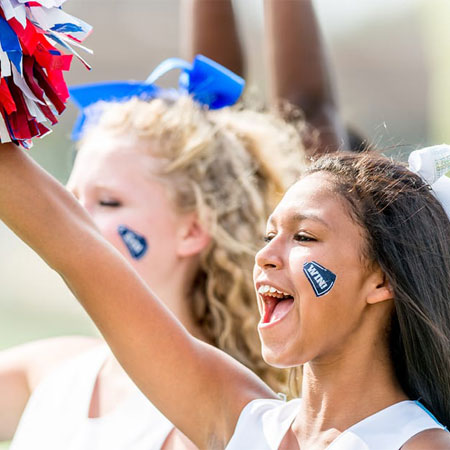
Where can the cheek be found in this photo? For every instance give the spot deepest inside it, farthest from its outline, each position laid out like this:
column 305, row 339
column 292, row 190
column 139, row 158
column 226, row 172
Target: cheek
column 125, row 234
column 315, row 270
column 109, row 228
column 256, row 272
column 320, row 278
column 330, row 318
column 135, row 242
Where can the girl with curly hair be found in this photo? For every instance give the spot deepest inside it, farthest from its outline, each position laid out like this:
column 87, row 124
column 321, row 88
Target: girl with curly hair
column 181, row 192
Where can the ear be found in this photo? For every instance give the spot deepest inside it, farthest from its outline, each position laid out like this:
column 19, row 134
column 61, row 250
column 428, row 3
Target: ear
column 192, row 237
column 380, row 289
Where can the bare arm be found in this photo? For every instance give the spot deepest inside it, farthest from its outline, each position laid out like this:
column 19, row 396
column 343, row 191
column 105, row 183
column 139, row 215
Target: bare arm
column 209, row 28
column 437, row 439
column 298, row 68
column 23, row 367
column 191, row 382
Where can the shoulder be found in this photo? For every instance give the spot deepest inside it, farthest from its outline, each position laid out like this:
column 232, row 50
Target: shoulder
column 264, row 423
column 436, row 438
column 47, row 354
column 273, row 406
column 37, row 359
column 268, row 410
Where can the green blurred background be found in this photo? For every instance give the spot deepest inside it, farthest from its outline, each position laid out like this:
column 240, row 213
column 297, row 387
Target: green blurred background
column 392, row 72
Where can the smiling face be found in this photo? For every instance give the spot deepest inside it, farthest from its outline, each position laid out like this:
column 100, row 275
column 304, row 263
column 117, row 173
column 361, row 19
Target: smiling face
column 311, row 224
column 113, row 179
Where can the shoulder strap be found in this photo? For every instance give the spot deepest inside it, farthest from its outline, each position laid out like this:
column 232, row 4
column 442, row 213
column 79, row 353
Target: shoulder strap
column 388, row 429
column 67, row 390
column 263, row 424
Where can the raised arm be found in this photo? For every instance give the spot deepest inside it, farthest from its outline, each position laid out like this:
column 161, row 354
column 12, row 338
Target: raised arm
column 209, row 28
column 191, row 382
column 298, row 68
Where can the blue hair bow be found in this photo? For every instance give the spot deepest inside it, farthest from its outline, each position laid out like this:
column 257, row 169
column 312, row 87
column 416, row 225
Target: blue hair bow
column 208, row 82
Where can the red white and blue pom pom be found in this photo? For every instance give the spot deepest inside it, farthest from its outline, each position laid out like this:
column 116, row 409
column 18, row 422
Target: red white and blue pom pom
column 32, row 88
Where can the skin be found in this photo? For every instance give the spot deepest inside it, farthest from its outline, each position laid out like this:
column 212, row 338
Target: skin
column 112, row 179
column 296, row 59
column 339, row 367
column 100, row 180
column 347, row 373
column 310, row 224
column 209, row 29
column 115, row 181
column 299, row 69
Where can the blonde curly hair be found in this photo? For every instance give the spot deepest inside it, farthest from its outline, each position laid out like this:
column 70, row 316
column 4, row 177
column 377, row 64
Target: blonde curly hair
column 230, row 166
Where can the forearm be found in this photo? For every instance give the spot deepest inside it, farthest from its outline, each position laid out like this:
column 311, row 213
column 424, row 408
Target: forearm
column 39, row 210
column 209, row 28
column 46, row 216
column 298, row 67
column 172, row 368
column 49, row 219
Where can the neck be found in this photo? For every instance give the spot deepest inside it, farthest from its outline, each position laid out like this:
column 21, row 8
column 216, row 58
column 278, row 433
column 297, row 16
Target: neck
column 339, row 392
column 175, row 294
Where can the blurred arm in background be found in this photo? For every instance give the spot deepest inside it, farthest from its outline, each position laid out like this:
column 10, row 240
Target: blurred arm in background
column 209, row 29
column 299, row 71
column 295, row 55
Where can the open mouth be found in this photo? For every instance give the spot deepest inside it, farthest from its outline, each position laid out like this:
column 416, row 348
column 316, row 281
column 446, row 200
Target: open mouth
column 276, row 303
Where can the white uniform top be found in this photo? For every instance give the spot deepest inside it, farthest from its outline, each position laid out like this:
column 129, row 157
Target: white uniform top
column 56, row 416
column 263, row 424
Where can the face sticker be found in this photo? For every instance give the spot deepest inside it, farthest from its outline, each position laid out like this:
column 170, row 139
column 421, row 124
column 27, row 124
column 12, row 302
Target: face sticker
column 136, row 244
column 321, row 279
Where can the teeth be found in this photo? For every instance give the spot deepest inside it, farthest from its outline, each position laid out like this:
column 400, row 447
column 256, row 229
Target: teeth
column 266, row 289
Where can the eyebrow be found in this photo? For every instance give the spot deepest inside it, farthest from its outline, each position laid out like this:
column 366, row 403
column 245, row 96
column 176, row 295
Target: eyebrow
column 303, row 217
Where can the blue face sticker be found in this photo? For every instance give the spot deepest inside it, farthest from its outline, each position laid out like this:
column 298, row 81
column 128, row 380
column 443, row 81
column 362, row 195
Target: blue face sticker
column 321, row 279
column 136, row 244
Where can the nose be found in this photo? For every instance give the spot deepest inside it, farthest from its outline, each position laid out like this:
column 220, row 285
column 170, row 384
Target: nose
column 269, row 256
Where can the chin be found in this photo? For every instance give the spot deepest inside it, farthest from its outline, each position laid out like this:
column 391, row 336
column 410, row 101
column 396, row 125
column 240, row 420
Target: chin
column 281, row 358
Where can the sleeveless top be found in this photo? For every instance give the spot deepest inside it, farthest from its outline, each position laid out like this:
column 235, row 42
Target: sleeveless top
column 56, row 415
column 263, row 423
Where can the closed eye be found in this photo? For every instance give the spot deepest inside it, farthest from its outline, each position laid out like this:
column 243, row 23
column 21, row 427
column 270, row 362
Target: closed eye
column 109, row 203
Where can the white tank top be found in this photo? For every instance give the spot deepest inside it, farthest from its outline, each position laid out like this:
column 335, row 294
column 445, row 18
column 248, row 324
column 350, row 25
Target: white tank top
column 56, row 416
column 263, row 424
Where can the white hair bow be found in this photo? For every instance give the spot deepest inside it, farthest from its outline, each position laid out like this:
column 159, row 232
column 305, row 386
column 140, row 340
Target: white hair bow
column 433, row 165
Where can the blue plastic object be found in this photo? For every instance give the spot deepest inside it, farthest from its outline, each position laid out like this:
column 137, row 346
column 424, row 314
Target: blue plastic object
column 208, row 82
